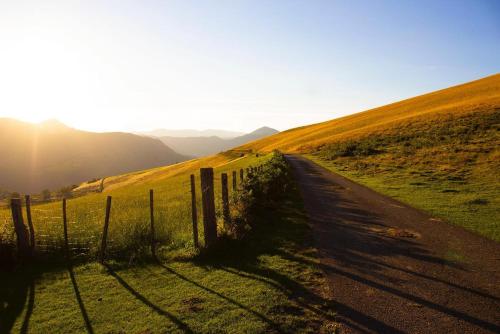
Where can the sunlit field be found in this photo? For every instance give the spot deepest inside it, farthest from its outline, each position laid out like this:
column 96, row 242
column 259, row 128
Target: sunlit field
column 438, row 152
column 129, row 232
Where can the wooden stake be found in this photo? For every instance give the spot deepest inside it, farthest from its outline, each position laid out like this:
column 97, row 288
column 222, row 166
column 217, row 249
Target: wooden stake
column 30, row 223
column 152, row 217
column 241, row 175
column 65, row 225
column 234, row 180
column 225, row 200
column 19, row 227
column 208, row 202
column 194, row 212
column 105, row 230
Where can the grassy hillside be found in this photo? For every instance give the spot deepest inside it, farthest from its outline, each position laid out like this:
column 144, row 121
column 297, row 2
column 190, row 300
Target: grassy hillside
column 476, row 96
column 439, row 152
column 269, row 282
column 51, row 155
column 129, row 231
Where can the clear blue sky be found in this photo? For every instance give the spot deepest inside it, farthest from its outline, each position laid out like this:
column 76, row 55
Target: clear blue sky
column 137, row 65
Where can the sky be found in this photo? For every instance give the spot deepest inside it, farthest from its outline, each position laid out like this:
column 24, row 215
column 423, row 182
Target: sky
column 236, row 65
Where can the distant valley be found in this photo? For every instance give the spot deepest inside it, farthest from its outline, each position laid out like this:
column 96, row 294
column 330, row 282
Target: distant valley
column 199, row 146
column 51, row 155
column 184, row 133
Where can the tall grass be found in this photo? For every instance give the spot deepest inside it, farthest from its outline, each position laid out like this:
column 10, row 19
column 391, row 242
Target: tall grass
column 129, row 234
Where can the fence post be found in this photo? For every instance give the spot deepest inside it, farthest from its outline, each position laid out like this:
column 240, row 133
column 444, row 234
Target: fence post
column 65, row 225
column 30, row 223
column 21, row 232
column 208, row 201
column 241, row 175
column 152, row 217
column 225, row 200
column 234, row 180
column 105, row 231
column 194, row 212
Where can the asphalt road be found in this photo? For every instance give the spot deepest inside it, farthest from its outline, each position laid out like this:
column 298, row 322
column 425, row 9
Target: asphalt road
column 394, row 269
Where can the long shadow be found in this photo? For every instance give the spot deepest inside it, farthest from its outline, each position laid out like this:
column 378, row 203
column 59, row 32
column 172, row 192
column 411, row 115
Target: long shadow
column 356, row 244
column 83, row 310
column 272, row 324
column 17, row 293
column 180, row 324
column 29, row 308
column 363, row 323
column 457, row 314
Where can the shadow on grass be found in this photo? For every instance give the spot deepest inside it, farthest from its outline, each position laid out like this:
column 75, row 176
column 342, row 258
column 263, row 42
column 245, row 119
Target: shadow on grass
column 180, row 324
column 277, row 234
column 17, row 295
column 81, row 305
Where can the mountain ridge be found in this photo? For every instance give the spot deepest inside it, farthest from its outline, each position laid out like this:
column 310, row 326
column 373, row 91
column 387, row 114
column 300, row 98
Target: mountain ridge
column 204, row 146
column 50, row 154
column 188, row 133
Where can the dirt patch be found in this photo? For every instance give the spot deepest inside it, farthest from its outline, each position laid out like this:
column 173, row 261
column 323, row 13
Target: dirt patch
column 193, row 304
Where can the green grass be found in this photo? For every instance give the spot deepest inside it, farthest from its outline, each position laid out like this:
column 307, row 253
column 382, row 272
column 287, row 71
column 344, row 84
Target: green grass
column 268, row 282
column 449, row 168
column 129, row 231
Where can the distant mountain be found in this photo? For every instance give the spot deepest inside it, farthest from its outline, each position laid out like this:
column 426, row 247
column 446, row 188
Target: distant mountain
column 51, row 155
column 203, row 146
column 186, row 133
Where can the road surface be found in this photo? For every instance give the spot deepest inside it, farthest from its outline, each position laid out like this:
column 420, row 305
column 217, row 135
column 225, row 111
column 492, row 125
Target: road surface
column 394, row 269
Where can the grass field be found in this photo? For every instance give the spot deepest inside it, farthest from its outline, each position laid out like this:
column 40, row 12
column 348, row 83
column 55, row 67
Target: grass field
column 475, row 96
column 439, row 152
column 269, row 282
column 129, row 231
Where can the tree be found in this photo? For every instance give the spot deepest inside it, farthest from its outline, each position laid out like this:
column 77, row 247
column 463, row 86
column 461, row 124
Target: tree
column 46, row 195
column 66, row 192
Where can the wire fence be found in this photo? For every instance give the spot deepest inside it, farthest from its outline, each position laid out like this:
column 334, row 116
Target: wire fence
column 130, row 228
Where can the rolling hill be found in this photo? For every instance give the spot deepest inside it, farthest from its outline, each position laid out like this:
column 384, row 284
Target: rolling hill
column 203, row 146
column 474, row 97
column 439, row 152
column 51, row 155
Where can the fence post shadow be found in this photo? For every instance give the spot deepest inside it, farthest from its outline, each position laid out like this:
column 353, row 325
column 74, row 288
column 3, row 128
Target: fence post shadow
column 179, row 323
column 81, row 305
column 14, row 295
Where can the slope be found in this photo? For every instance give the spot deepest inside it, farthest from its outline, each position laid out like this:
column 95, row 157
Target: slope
column 476, row 96
column 438, row 152
column 52, row 155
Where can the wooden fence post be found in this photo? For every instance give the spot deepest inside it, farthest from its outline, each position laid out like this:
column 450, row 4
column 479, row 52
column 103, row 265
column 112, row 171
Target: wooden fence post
column 101, row 185
column 30, row 223
column 241, row 175
column 194, row 212
column 105, row 231
column 234, row 180
column 152, row 217
column 208, row 201
column 225, row 201
column 19, row 227
column 65, row 225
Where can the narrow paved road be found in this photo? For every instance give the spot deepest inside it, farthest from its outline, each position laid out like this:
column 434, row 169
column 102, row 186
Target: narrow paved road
column 394, row 269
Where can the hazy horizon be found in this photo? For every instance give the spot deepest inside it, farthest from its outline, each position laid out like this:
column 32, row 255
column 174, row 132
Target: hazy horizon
column 135, row 67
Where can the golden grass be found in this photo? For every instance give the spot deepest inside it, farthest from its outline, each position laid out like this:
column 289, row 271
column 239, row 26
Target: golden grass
column 129, row 229
column 459, row 100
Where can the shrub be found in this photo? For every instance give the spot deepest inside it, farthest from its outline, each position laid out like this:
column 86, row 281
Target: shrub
column 351, row 148
column 260, row 190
